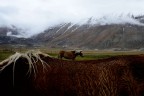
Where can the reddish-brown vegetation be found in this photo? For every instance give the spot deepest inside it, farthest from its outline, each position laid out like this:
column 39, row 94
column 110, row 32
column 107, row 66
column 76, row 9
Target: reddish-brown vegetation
column 115, row 76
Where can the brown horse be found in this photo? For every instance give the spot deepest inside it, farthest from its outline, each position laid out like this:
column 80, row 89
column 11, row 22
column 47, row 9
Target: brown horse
column 69, row 54
column 38, row 74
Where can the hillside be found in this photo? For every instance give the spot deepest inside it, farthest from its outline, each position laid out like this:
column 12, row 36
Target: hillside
column 93, row 36
column 88, row 35
column 10, row 36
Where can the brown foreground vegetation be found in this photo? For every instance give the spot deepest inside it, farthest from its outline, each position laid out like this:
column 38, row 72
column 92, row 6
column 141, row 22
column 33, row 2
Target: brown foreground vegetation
column 47, row 76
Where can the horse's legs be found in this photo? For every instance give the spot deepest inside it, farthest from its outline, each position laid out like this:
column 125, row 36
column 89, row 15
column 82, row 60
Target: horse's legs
column 60, row 57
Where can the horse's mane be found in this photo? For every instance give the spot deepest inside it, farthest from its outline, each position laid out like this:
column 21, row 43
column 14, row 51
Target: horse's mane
column 31, row 56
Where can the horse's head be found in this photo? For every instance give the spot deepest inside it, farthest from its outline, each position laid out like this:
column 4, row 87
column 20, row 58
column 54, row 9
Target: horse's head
column 79, row 52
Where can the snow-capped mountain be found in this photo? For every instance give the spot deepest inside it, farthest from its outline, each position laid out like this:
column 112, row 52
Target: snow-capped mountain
column 103, row 33
column 91, row 35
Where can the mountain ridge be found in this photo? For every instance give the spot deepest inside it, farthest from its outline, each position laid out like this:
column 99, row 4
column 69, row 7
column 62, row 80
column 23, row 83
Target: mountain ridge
column 85, row 36
column 106, row 36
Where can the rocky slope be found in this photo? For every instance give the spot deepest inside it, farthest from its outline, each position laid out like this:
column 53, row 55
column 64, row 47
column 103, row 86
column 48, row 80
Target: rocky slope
column 94, row 36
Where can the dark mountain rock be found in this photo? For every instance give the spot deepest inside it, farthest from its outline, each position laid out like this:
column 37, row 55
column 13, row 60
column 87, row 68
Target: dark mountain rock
column 12, row 40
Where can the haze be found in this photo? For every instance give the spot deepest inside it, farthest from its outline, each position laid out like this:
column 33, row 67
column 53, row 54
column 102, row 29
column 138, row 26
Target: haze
column 34, row 16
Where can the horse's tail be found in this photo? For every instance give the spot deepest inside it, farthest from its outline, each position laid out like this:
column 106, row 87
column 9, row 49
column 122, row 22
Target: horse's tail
column 61, row 54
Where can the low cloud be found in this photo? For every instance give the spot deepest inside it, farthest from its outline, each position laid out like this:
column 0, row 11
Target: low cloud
column 36, row 15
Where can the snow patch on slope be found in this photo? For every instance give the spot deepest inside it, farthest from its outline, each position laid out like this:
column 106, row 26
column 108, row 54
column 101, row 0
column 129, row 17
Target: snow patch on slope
column 105, row 20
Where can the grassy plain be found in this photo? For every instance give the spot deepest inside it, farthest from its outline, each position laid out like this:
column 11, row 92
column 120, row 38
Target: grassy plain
column 88, row 54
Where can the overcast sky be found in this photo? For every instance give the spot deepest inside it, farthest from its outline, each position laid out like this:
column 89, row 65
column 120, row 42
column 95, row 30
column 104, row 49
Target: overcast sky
column 36, row 15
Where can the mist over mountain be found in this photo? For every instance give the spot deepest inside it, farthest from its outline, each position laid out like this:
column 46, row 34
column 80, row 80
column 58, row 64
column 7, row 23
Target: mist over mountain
column 34, row 16
column 95, row 36
column 11, row 36
column 108, row 32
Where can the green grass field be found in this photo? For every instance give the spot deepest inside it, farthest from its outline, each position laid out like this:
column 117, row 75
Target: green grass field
column 4, row 55
column 91, row 55
column 88, row 55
